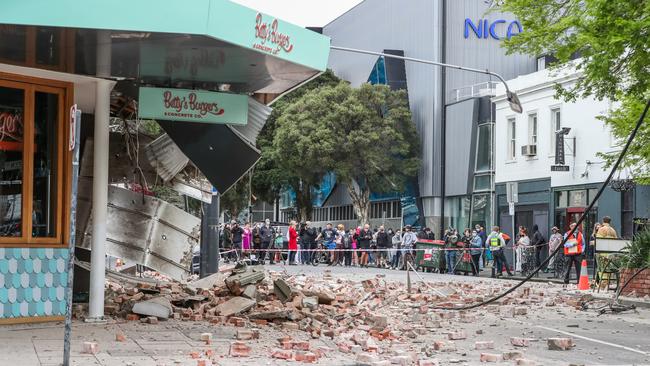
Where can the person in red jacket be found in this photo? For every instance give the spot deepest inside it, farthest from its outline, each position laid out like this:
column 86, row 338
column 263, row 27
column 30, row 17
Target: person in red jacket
column 293, row 243
column 573, row 249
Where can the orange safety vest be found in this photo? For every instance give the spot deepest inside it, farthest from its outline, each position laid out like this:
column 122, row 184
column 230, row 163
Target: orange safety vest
column 579, row 245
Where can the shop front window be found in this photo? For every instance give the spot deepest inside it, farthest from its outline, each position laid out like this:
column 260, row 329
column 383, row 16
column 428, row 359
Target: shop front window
column 561, row 199
column 457, row 210
column 46, row 115
column 31, row 163
column 578, row 198
column 481, row 210
column 12, row 116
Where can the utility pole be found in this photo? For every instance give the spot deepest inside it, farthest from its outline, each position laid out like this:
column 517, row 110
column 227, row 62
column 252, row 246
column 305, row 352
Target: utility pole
column 210, row 237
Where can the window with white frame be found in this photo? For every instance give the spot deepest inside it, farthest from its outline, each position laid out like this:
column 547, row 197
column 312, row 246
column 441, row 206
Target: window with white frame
column 556, row 125
column 532, row 129
column 512, row 138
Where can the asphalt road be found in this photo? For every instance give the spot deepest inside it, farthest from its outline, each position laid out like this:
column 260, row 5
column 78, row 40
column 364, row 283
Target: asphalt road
column 622, row 339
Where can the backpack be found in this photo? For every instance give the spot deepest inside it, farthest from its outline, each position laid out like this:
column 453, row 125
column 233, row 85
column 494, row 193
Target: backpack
column 347, row 242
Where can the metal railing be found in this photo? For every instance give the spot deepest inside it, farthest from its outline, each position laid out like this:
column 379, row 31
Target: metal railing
column 487, row 88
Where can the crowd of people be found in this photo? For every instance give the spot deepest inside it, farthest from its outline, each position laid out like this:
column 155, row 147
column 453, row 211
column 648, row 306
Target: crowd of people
column 364, row 246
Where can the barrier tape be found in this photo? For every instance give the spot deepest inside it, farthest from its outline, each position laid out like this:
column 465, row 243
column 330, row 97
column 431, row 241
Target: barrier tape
column 371, row 250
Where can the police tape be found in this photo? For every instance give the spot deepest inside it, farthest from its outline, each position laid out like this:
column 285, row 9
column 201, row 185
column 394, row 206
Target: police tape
column 376, row 249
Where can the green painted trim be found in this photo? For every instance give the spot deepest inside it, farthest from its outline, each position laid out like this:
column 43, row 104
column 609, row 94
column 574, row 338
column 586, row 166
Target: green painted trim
column 192, row 106
column 219, row 19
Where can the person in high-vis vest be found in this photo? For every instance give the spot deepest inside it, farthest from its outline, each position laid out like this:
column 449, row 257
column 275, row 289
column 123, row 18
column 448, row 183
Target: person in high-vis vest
column 573, row 249
column 496, row 243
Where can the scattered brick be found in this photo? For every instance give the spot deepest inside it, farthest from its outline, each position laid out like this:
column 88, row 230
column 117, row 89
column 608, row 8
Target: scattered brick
column 519, row 342
column 482, row 345
column 239, row 349
column 282, row 354
column 525, row 362
column 560, row 344
column 457, row 335
column 512, row 355
column 91, row 348
column 490, row 357
column 120, row 337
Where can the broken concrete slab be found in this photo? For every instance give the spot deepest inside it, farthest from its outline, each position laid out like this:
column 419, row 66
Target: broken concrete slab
column 234, row 306
column 282, row 290
column 159, row 307
column 250, row 292
column 215, row 280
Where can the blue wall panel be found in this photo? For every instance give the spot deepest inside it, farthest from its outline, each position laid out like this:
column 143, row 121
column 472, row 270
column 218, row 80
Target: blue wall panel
column 32, row 282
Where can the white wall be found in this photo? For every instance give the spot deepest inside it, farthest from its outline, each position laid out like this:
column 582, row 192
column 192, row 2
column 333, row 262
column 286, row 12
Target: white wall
column 537, row 94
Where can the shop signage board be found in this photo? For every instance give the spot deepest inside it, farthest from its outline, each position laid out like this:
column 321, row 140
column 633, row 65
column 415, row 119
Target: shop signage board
column 559, row 168
column 192, row 106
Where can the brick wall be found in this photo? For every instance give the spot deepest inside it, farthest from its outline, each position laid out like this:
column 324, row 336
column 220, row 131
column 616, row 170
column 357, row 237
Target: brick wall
column 639, row 286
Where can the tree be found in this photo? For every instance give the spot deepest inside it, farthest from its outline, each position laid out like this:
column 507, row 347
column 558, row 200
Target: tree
column 378, row 147
column 271, row 176
column 236, row 199
column 612, row 38
column 365, row 136
column 305, row 143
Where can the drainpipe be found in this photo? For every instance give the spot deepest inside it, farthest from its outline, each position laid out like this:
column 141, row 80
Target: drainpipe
column 100, row 179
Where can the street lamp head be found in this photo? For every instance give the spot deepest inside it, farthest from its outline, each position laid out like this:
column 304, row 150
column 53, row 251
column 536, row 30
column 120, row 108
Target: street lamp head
column 514, row 102
column 565, row 130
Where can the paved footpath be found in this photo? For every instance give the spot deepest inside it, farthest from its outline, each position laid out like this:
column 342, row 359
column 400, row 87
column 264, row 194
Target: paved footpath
column 622, row 339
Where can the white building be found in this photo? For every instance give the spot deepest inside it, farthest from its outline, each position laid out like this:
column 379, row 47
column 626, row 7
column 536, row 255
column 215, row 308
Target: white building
column 525, row 149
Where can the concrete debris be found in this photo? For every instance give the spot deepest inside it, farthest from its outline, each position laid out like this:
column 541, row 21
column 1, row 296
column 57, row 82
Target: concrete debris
column 560, row 344
column 234, row 306
column 325, row 319
column 215, row 280
column 90, row 348
column 158, row 307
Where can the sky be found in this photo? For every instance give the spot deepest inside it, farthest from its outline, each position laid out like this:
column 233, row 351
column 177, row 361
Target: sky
column 305, row 13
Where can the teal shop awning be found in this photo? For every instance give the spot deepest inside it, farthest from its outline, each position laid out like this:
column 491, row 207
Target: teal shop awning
column 213, row 45
column 188, row 44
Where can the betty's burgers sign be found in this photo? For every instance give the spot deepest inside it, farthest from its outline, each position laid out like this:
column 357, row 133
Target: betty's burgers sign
column 192, row 106
column 269, row 37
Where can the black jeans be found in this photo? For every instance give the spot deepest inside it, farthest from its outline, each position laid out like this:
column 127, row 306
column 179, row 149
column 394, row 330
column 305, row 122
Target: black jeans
column 292, row 256
column 348, row 257
column 475, row 263
column 264, row 252
column 576, row 260
column 499, row 261
column 538, row 254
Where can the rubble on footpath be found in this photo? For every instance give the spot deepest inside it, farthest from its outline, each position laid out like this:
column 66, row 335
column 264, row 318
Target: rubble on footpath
column 373, row 321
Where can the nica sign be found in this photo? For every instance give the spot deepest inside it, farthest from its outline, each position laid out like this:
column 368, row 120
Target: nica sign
column 497, row 29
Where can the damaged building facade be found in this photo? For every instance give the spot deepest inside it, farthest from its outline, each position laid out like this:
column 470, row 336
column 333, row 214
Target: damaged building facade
column 195, row 70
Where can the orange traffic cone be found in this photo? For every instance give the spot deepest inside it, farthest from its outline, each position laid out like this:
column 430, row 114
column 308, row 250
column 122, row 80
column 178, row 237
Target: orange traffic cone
column 584, row 277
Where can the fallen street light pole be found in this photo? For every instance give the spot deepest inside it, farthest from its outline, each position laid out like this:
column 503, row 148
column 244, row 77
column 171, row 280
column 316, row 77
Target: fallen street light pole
column 75, row 126
column 512, row 97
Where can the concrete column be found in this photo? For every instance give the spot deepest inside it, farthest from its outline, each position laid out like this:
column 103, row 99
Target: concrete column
column 100, row 178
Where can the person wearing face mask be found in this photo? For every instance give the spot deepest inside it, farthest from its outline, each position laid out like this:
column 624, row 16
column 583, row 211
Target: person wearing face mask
column 476, row 244
column 267, row 234
column 383, row 244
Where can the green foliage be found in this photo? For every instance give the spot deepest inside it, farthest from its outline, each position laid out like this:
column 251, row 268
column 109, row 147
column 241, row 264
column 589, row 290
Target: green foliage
column 236, row 199
column 169, row 195
column 364, row 135
column 637, row 253
column 151, row 128
column 271, row 175
column 621, row 121
column 612, row 38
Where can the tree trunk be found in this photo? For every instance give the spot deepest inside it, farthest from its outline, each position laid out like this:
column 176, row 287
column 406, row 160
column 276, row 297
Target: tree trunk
column 360, row 202
column 304, row 206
